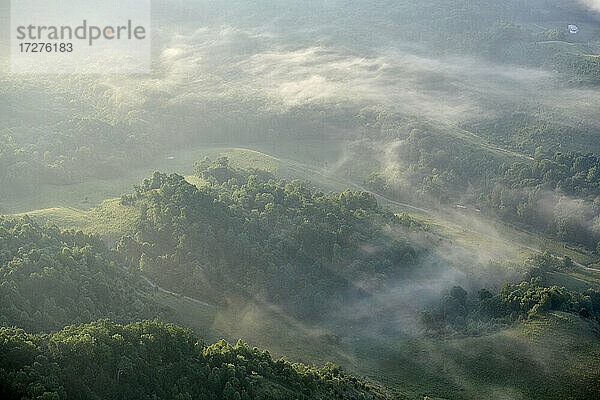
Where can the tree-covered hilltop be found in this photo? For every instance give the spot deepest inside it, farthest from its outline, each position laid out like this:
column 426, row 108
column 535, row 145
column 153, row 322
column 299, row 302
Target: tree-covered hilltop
column 153, row 360
column 50, row 278
column 557, row 194
column 243, row 233
column 457, row 311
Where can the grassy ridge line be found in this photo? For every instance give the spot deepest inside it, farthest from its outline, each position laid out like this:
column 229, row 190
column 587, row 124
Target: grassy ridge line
column 476, row 140
column 109, row 219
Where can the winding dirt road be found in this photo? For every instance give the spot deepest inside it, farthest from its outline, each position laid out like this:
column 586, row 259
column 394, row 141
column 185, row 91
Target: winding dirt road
column 161, row 289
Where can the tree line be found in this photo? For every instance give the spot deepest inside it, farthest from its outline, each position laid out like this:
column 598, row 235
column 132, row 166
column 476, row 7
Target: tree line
column 50, row 278
column 477, row 313
column 555, row 193
column 154, row 360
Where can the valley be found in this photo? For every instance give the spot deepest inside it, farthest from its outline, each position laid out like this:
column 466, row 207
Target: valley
column 313, row 200
column 265, row 325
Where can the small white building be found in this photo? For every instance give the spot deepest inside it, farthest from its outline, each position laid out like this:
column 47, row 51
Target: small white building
column 573, row 29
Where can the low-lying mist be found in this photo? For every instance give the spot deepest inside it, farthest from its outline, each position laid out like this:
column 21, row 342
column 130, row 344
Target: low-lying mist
column 239, row 75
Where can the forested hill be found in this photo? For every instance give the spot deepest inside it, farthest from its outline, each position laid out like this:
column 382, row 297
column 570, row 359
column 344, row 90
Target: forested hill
column 50, row 278
column 556, row 193
column 152, row 360
column 243, row 233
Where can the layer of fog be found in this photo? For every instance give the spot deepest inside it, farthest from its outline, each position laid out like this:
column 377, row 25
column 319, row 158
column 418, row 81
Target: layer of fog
column 267, row 73
column 222, row 71
column 593, row 4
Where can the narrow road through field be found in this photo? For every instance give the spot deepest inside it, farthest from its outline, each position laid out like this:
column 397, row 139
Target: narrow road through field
column 160, row 289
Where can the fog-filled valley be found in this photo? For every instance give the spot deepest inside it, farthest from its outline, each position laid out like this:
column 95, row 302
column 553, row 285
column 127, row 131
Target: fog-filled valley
column 402, row 199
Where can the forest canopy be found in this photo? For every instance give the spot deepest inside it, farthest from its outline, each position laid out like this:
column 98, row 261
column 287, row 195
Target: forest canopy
column 153, row 360
column 50, row 278
column 243, row 231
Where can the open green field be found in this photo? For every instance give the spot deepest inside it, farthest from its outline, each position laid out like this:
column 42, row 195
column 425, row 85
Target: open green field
column 92, row 192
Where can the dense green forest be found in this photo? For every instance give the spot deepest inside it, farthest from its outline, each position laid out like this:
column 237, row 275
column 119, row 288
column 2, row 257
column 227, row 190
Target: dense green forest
column 459, row 311
column 557, row 194
column 69, row 152
column 81, row 280
column 50, row 278
column 153, row 360
column 244, row 233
